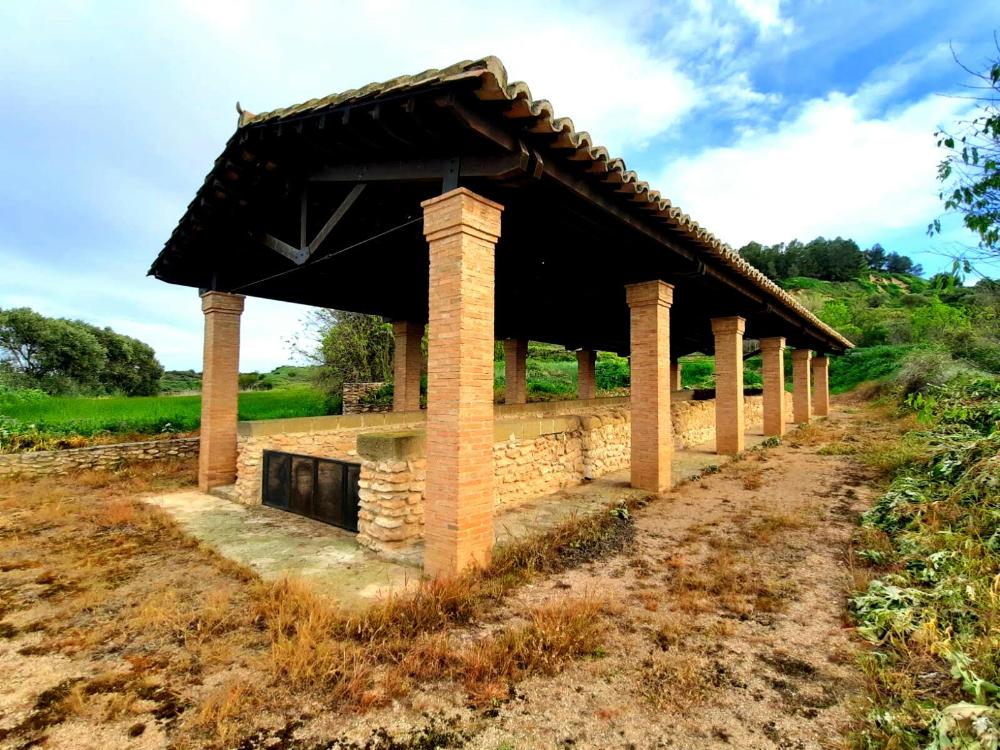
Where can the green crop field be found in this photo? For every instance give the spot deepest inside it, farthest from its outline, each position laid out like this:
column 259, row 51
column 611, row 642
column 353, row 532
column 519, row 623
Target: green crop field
column 152, row 414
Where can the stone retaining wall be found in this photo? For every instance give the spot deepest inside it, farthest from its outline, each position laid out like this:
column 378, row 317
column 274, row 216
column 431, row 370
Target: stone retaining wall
column 530, row 466
column 538, row 448
column 45, row 463
column 391, row 490
column 325, row 437
column 354, row 392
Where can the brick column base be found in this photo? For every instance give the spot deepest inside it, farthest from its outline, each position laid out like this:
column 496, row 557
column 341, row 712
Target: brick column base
column 773, row 356
column 462, row 229
column 219, row 389
column 652, row 441
column 821, row 386
column 408, row 361
column 586, row 368
column 515, row 364
column 801, row 391
column 729, row 423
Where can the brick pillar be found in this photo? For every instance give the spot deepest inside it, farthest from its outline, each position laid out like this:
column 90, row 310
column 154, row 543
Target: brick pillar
column 462, row 229
column 586, row 369
column 220, row 384
column 515, row 364
column 675, row 376
column 801, row 396
column 652, row 441
column 773, row 356
column 729, row 426
column 821, row 385
column 408, row 361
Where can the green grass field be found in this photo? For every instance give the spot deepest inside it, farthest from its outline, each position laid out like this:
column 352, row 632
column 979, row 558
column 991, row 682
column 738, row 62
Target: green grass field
column 154, row 414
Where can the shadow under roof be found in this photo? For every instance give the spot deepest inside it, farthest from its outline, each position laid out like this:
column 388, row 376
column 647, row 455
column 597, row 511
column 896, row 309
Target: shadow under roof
column 319, row 203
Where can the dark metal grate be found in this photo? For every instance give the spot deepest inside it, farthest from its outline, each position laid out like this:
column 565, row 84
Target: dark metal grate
column 320, row 488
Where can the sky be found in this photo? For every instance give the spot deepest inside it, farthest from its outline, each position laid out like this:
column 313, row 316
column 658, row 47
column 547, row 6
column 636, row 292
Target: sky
column 764, row 120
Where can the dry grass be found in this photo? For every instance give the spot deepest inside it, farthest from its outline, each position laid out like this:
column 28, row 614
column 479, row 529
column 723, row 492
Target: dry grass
column 553, row 635
column 752, row 478
column 674, row 680
column 119, row 584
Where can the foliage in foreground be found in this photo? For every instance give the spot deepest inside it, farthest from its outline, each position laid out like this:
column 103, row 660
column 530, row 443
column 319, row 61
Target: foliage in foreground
column 970, row 170
column 932, row 611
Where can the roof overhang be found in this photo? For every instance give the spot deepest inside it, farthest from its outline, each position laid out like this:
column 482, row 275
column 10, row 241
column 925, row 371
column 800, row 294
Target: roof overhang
column 319, row 204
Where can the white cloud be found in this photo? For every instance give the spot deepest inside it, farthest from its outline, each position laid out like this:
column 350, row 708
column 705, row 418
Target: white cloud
column 592, row 62
column 832, row 169
column 766, row 14
column 167, row 317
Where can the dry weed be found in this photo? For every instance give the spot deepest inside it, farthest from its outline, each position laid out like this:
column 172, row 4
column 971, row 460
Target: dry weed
column 752, row 478
column 673, row 680
column 553, row 635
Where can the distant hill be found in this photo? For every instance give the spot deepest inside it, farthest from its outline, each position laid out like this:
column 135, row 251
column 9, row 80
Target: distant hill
column 280, row 378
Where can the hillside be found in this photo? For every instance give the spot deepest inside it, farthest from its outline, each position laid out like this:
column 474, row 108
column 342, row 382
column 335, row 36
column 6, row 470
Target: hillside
column 893, row 318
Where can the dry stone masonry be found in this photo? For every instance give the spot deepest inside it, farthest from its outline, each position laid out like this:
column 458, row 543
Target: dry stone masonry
column 47, row 463
column 354, row 394
column 391, row 490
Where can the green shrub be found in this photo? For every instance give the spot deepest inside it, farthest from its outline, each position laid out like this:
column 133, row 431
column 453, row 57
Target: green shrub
column 698, row 372
column 926, row 368
column 612, row 372
column 381, row 396
column 864, row 365
column 932, row 610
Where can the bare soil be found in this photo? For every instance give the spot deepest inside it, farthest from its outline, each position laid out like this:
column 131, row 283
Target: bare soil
column 721, row 624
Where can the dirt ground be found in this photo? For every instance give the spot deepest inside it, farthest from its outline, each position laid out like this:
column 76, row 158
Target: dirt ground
column 721, row 624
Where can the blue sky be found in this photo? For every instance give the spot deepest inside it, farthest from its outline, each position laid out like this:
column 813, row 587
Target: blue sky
column 764, row 120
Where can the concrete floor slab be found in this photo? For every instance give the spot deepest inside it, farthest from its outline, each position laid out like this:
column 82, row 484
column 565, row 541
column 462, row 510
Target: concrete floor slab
column 276, row 544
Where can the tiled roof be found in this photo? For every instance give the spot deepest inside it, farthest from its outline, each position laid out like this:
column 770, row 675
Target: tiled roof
column 490, row 76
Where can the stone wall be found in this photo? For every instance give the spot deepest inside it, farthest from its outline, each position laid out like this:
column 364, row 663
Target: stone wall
column 391, row 491
column 354, row 392
column 325, row 437
column 44, row 463
column 538, row 449
column 607, row 443
column 526, row 466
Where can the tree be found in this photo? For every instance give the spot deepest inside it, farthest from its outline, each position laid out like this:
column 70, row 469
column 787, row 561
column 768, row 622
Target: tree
column 896, row 263
column 348, row 347
column 832, row 260
column 49, row 353
column 875, row 257
column 131, row 367
column 970, row 170
column 59, row 356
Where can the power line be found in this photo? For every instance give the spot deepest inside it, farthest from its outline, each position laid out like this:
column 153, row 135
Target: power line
column 334, row 254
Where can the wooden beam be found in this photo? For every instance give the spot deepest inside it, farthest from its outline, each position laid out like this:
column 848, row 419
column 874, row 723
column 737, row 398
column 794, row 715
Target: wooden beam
column 415, row 170
column 295, row 254
column 332, row 222
column 303, row 215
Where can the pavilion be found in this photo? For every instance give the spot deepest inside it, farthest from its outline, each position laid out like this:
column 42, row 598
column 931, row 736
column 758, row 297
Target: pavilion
column 453, row 200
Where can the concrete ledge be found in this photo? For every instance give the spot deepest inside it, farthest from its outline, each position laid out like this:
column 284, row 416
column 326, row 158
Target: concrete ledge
column 383, row 446
column 506, row 411
column 264, row 427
